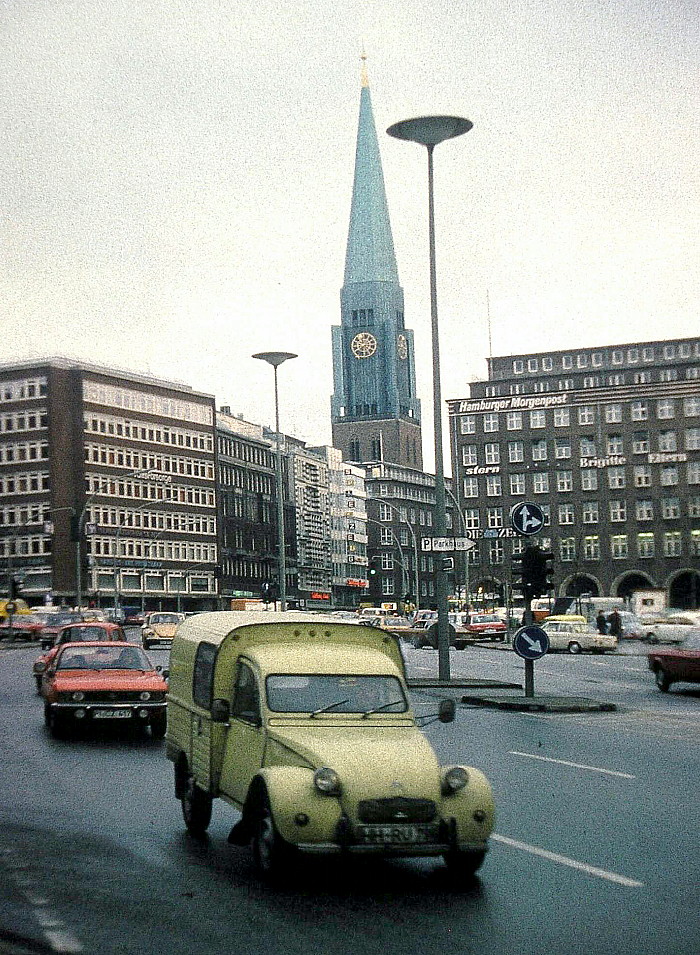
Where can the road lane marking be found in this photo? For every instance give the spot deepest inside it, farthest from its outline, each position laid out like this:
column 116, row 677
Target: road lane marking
column 565, row 762
column 572, row 863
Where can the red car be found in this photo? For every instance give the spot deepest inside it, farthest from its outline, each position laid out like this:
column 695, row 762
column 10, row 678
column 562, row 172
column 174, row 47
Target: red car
column 74, row 633
column 679, row 664
column 54, row 621
column 103, row 681
column 26, row 626
column 485, row 626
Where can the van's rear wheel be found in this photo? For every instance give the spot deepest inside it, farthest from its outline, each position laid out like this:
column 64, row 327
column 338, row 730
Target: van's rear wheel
column 270, row 851
column 196, row 808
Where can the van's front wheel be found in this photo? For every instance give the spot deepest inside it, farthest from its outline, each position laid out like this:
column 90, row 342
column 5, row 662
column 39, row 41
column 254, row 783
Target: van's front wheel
column 196, row 808
column 271, row 853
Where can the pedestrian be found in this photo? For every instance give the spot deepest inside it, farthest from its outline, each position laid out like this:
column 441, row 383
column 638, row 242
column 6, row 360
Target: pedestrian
column 615, row 621
column 601, row 623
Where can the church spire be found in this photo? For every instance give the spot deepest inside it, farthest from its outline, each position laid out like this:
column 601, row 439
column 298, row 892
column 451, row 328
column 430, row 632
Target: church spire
column 370, row 255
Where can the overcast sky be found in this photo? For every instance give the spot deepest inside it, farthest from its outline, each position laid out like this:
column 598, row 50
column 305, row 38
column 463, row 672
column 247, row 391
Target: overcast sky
column 176, row 179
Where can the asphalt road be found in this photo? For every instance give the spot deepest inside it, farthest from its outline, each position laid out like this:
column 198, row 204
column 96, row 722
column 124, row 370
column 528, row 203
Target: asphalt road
column 595, row 851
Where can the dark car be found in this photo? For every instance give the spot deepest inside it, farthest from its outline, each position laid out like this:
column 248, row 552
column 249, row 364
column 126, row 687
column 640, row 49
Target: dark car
column 54, row 621
column 679, row 664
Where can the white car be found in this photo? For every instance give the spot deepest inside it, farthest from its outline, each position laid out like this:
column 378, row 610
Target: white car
column 574, row 635
column 672, row 629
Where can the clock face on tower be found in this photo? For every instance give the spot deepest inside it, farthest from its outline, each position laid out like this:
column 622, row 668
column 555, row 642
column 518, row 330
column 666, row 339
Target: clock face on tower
column 402, row 347
column 363, row 345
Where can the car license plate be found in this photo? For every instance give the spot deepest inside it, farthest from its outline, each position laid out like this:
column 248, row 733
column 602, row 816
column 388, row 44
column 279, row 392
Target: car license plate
column 111, row 714
column 395, row 835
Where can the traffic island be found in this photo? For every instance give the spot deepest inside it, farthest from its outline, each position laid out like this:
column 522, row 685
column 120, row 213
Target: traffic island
column 539, row 703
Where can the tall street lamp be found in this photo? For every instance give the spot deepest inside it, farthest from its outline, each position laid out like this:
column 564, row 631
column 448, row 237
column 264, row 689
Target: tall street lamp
column 428, row 131
column 276, row 358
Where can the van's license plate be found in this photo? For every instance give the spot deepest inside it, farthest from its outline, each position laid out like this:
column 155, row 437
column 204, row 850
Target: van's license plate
column 395, row 835
column 111, row 714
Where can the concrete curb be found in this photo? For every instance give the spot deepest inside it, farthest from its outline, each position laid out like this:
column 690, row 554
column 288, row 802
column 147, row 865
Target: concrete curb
column 541, row 704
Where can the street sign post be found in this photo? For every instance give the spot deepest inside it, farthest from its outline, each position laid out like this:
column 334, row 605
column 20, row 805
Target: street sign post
column 527, row 518
column 530, row 643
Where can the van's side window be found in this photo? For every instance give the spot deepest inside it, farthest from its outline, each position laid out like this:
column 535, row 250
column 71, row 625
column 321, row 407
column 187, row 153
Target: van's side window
column 203, row 676
column 246, row 700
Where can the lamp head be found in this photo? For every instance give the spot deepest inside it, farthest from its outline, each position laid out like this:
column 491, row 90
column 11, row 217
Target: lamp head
column 275, row 358
column 430, row 130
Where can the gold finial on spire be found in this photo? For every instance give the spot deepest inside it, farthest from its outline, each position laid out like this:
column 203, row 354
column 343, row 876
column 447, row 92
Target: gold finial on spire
column 363, row 74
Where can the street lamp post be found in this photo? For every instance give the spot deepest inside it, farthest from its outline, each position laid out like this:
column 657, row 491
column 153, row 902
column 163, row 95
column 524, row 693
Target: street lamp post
column 276, row 358
column 428, row 131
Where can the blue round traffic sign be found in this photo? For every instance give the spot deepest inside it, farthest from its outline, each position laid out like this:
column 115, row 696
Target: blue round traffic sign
column 531, row 642
column 527, row 518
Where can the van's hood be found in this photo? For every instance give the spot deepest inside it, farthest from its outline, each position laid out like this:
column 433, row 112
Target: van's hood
column 375, row 762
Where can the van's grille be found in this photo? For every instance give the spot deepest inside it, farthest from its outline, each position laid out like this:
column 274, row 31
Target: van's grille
column 397, row 809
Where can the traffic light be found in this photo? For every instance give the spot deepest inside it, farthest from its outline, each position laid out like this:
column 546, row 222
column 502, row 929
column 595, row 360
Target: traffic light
column 268, row 591
column 372, row 567
column 16, row 588
column 546, row 571
column 529, row 569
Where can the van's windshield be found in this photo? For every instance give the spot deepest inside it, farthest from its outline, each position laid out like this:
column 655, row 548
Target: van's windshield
column 313, row 693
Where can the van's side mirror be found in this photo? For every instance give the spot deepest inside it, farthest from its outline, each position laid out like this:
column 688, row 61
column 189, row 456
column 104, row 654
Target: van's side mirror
column 447, row 711
column 220, row 712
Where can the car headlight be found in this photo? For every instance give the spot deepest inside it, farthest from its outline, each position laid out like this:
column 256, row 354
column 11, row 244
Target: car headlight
column 144, row 696
column 77, row 696
column 454, row 780
column 327, row 781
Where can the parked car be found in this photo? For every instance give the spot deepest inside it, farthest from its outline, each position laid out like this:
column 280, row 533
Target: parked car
column 55, row 620
column 159, row 627
column 674, row 628
column 106, row 682
column 24, row 627
column 676, row 664
column 483, row 626
column 572, row 633
column 74, row 633
column 309, row 732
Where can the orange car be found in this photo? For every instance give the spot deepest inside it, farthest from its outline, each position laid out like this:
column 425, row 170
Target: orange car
column 106, row 682
column 73, row 633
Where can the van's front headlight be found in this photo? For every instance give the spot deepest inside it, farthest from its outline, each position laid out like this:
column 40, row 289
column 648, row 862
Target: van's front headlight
column 327, row 781
column 454, row 780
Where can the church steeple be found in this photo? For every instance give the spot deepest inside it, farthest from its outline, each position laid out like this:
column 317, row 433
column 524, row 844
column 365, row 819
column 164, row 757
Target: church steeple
column 376, row 414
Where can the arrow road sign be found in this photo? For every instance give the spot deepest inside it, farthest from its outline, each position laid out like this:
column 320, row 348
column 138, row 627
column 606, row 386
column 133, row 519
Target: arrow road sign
column 531, row 643
column 527, row 518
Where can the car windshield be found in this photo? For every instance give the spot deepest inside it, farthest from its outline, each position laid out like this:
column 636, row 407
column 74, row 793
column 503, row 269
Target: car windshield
column 486, row 618
column 314, row 693
column 76, row 634
column 103, row 658
column 164, row 618
column 59, row 619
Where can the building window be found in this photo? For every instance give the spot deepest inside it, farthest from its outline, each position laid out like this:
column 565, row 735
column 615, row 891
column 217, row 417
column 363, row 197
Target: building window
column 539, row 450
column 384, row 512
column 532, row 364
column 616, row 477
column 613, row 414
column 566, row 513
column 514, row 420
column 586, row 415
column 667, row 441
column 494, row 517
column 597, row 359
column 490, row 423
column 618, row 511
column 692, row 439
column 587, row 446
column 665, row 408
column 517, row 483
column 640, row 442
column 387, row 562
column 467, row 424
column 669, row 475
column 644, row 510
column 388, row 586
column 589, row 479
column 590, row 512
column 562, row 417
column 540, row 483
column 493, row 453
column 567, row 362
column 546, row 364
column 670, row 508
column 672, row 544
column 471, row 518
column 695, row 543
column 668, row 374
column 562, row 448
column 471, row 487
column 617, row 357
column 691, row 407
column 615, row 444
column 694, row 507
column 518, row 366
column 385, row 536
column 582, row 361
column 616, row 380
column 566, row 384
column 515, row 452
column 565, row 481
column 469, row 454
column 493, row 485
column 693, row 472
column 618, row 547
column 639, row 411
column 567, row 548
column 538, row 419
column 645, row 545
column 591, row 548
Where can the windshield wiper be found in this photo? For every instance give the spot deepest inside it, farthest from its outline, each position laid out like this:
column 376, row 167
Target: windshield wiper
column 378, row 709
column 325, row 709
